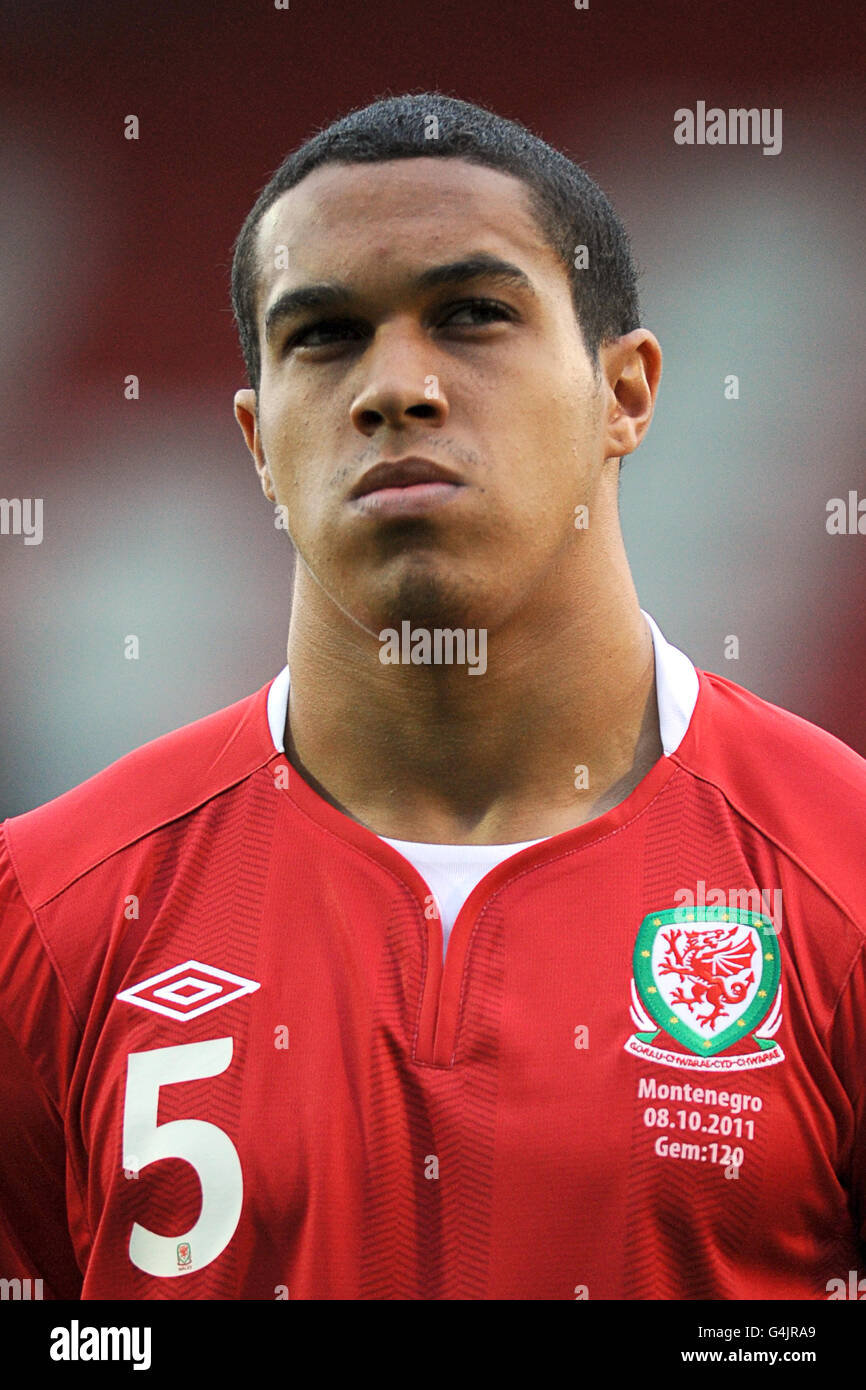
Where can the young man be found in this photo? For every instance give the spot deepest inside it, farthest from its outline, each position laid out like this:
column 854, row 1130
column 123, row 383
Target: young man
column 495, row 952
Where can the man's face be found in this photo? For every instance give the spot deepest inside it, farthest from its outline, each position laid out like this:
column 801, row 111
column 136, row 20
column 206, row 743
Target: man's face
column 480, row 372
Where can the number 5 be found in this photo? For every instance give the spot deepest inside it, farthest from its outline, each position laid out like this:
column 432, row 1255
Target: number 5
column 206, row 1147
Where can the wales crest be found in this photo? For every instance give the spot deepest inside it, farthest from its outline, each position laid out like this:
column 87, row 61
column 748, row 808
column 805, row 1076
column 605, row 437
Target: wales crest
column 706, row 979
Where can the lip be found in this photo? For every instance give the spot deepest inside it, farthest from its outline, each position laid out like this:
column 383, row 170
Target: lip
column 405, row 475
column 413, row 500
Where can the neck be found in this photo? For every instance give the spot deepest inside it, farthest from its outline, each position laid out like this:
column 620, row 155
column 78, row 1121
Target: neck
column 432, row 753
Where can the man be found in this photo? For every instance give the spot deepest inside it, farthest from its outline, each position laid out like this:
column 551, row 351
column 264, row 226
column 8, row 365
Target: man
column 490, row 951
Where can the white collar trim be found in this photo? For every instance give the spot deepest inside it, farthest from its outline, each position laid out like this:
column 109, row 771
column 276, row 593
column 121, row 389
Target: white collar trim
column 278, row 708
column 676, row 690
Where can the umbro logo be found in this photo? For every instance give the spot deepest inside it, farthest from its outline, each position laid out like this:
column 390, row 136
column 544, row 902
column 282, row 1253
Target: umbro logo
column 188, row 990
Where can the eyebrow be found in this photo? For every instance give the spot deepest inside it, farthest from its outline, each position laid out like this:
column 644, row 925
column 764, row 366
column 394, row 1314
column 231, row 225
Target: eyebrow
column 332, row 294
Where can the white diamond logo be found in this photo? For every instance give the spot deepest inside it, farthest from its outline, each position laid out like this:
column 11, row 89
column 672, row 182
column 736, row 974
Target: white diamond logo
column 188, row 990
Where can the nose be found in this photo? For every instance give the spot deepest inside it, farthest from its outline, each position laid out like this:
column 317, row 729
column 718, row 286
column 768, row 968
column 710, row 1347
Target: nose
column 400, row 384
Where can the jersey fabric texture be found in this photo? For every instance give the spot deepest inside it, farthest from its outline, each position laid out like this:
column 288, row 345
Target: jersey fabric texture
column 234, row 1066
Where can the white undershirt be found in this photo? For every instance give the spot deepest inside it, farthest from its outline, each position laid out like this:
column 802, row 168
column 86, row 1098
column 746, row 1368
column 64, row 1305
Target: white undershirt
column 452, row 871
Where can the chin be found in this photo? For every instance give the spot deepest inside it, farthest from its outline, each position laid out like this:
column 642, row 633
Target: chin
column 437, row 597
column 427, row 596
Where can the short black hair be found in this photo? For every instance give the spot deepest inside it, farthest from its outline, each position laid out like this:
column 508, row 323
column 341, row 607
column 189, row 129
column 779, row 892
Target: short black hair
column 570, row 208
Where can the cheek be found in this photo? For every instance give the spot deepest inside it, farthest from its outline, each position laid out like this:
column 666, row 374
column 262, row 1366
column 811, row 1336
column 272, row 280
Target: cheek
column 283, row 446
column 298, row 438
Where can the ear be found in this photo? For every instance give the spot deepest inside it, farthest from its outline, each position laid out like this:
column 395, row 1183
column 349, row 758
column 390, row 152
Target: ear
column 631, row 368
column 247, row 416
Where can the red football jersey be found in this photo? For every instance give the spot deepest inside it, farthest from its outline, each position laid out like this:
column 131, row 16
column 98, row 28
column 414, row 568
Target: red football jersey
column 233, row 1065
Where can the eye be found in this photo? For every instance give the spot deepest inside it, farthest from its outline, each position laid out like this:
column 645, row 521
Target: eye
column 322, row 334
column 329, row 332
column 482, row 310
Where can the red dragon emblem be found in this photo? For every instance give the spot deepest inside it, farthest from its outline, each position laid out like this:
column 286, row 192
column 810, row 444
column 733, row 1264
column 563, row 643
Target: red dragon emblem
column 705, row 963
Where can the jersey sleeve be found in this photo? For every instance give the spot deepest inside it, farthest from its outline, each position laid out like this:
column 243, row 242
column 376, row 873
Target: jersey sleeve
column 35, row 1242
